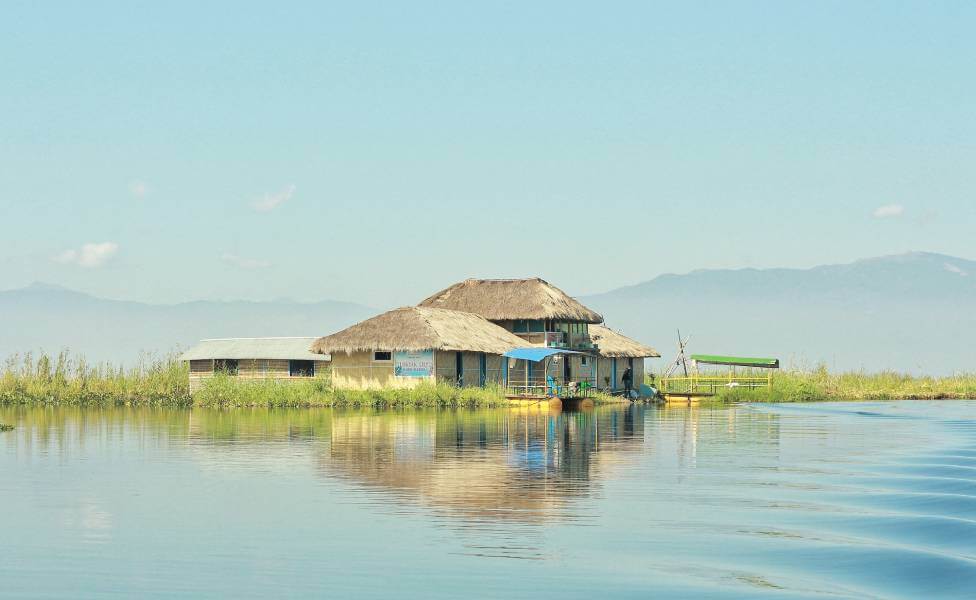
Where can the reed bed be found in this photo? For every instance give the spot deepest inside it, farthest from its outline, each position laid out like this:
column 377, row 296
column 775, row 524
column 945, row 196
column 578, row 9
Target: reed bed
column 66, row 380
column 164, row 381
column 821, row 385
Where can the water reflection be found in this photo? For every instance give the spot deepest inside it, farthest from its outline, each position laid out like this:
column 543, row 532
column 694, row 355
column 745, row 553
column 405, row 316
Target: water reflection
column 500, row 464
column 523, row 465
column 821, row 499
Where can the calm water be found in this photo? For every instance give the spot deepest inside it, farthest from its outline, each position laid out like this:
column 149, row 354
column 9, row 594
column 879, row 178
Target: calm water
column 839, row 500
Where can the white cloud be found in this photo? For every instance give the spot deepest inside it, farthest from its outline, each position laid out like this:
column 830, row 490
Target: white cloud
column 273, row 201
column 888, row 211
column 89, row 256
column 139, row 189
column 244, row 263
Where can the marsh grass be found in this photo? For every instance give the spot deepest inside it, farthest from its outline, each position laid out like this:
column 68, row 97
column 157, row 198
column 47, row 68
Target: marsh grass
column 64, row 380
column 163, row 381
column 820, row 385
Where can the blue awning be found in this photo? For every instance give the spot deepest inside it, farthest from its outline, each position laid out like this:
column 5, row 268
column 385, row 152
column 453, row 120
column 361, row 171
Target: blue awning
column 535, row 353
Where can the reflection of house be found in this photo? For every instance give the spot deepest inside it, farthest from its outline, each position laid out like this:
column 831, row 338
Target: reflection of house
column 501, row 464
column 501, row 315
column 283, row 358
column 411, row 345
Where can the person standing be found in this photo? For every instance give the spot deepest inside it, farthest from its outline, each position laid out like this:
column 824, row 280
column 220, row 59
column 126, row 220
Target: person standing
column 628, row 379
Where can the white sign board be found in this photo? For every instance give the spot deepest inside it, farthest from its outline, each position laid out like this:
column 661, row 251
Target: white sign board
column 413, row 364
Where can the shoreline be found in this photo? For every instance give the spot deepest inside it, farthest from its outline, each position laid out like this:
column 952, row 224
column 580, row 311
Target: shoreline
column 63, row 381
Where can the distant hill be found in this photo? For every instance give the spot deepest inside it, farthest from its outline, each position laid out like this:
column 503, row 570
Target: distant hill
column 47, row 317
column 914, row 312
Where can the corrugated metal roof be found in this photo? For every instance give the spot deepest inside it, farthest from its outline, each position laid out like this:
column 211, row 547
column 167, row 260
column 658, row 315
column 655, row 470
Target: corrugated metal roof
column 282, row 348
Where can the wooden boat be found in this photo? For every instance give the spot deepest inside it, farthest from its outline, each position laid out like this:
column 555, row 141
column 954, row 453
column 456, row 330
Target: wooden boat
column 693, row 385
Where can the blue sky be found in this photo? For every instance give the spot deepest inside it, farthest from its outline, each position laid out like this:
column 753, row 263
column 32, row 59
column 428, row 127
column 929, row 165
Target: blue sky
column 377, row 152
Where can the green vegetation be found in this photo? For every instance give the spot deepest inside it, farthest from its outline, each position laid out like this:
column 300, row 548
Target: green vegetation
column 64, row 381
column 820, row 385
column 5, row 427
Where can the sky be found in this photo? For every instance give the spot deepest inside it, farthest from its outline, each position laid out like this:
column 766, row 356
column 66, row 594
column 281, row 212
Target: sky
column 378, row 152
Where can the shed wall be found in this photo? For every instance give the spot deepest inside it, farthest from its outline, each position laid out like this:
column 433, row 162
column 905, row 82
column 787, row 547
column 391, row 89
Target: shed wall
column 259, row 368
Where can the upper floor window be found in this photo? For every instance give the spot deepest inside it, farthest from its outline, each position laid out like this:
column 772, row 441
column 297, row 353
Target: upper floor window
column 528, row 326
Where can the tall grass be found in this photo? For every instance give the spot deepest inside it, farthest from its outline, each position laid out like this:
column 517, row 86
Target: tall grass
column 65, row 380
column 820, row 384
column 155, row 381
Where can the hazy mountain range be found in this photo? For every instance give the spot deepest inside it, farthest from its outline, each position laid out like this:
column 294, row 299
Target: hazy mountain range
column 912, row 312
column 51, row 318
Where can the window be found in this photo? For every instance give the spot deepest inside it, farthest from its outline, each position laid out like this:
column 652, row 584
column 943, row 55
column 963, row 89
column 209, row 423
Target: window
column 382, row 356
column 583, row 360
column 228, row 366
column 528, row 326
column 301, row 368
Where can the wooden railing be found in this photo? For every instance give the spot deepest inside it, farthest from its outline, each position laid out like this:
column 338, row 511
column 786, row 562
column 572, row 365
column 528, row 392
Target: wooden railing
column 537, row 387
column 710, row 384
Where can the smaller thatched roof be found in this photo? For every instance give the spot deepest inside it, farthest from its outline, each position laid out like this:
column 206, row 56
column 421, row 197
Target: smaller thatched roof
column 616, row 345
column 511, row 299
column 415, row 328
column 273, row 348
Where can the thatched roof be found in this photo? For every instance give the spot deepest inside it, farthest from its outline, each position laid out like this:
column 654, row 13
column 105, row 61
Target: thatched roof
column 273, row 348
column 420, row 328
column 509, row 299
column 617, row 345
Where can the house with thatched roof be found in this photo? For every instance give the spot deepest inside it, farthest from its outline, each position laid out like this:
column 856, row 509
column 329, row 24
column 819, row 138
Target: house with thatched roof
column 615, row 353
column 459, row 335
column 415, row 344
column 544, row 315
column 278, row 358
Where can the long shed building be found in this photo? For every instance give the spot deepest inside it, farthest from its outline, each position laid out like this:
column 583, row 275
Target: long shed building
column 278, row 358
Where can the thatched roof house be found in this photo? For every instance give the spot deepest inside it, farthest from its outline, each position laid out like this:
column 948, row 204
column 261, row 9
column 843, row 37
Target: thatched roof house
column 617, row 345
column 414, row 328
column 416, row 344
column 512, row 299
column 459, row 334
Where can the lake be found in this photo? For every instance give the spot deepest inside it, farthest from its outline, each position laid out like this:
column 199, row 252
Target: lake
column 747, row 501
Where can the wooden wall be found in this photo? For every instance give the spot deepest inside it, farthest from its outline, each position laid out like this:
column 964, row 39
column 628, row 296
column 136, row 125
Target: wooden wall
column 358, row 371
column 276, row 369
